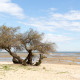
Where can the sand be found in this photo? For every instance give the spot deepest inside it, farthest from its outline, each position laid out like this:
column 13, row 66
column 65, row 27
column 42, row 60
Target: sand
column 63, row 60
column 10, row 71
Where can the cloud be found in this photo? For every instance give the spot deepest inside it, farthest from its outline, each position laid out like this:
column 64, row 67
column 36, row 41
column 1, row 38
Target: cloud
column 56, row 38
column 4, row 1
column 40, row 25
column 52, row 9
column 67, row 25
column 6, row 6
column 69, row 21
column 71, row 15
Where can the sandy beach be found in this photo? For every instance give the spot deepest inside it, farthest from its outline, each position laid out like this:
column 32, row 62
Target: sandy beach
column 10, row 71
column 55, row 68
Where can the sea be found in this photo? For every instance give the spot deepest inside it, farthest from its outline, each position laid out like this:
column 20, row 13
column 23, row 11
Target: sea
column 72, row 54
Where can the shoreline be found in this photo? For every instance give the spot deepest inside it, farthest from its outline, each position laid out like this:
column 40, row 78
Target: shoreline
column 53, row 60
column 71, row 60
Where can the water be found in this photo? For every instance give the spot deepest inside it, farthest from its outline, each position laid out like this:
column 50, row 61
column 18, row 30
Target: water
column 66, row 60
column 8, row 59
column 55, row 53
column 72, row 54
column 71, row 61
column 78, row 58
column 77, row 62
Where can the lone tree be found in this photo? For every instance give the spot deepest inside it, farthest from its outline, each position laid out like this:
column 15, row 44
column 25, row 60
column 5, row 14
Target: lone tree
column 32, row 41
column 9, row 41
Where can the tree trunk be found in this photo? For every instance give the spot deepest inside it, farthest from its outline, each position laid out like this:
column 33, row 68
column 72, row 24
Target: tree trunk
column 40, row 61
column 16, row 58
column 25, row 61
column 29, row 57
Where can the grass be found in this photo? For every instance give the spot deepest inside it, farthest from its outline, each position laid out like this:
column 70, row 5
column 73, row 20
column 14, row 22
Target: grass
column 62, row 72
column 28, row 67
column 16, row 67
column 44, row 68
column 6, row 67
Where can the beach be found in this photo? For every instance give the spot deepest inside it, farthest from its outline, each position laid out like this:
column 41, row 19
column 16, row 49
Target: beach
column 52, row 68
column 10, row 71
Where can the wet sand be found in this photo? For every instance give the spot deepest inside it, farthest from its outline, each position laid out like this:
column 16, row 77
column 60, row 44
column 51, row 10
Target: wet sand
column 7, row 54
column 63, row 60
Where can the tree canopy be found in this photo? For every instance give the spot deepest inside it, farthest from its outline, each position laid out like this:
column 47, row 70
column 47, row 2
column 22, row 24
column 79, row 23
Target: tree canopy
column 32, row 40
column 8, row 37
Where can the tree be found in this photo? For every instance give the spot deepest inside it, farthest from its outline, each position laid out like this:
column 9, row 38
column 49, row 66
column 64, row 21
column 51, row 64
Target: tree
column 32, row 41
column 9, row 41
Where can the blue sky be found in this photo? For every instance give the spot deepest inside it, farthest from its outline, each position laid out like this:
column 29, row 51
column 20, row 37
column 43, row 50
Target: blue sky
column 58, row 19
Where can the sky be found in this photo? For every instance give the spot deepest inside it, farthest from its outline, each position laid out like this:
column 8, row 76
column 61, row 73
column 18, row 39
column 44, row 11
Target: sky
column 58, row 19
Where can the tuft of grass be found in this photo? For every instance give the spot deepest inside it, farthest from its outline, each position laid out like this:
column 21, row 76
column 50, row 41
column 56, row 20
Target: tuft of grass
column 70, row 63
column 44, row 68
column 5, row 67
column 29, row 68
column 34, row 70
column 62, row 72
column 25, row 67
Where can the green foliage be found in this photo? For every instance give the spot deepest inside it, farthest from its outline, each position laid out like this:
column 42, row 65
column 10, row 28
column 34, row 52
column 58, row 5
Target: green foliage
column 5, row 67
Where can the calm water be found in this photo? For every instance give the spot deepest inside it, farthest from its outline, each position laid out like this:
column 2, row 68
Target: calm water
column 66, row 54
column 8, row 59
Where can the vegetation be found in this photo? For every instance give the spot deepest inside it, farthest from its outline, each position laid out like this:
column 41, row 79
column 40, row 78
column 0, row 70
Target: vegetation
column 11, row 40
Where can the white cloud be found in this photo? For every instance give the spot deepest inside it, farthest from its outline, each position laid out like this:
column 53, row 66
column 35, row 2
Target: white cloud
column 56, row 38
column 67, row 25
column 40, row 25
column 4, row 1
column 52, row 9
column 71, row 15
column 6, row 6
